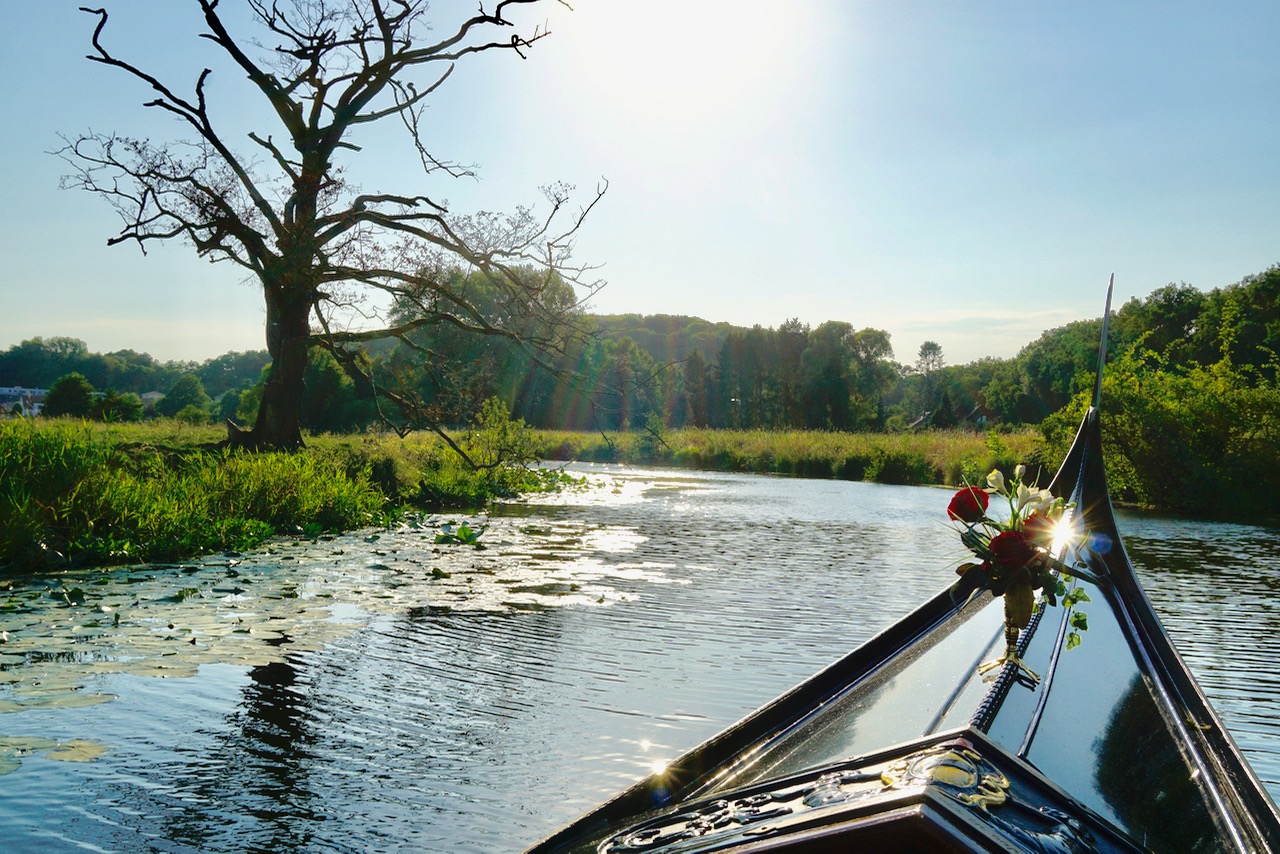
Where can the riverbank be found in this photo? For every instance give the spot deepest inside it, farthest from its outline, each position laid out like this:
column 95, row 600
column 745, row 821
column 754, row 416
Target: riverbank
column 79, row 493
column 951, row 457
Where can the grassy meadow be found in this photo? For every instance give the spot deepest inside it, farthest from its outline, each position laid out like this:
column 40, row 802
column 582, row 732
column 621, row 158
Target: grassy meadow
column 76, row 492
column 927, row 457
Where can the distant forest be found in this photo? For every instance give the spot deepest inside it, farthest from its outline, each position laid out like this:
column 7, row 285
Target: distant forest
column 665, row 371
column 1191, row 392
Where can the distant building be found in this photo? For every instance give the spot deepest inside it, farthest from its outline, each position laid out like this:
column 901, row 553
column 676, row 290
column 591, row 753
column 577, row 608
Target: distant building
column 30, row 399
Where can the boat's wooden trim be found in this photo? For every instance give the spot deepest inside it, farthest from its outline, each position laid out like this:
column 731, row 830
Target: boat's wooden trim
column 950, row 792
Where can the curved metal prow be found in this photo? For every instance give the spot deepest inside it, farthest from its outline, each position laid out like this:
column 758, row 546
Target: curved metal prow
column 1102, row 345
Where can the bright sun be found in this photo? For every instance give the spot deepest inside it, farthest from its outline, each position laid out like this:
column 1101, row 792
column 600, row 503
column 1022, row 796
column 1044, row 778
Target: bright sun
column 677, row 54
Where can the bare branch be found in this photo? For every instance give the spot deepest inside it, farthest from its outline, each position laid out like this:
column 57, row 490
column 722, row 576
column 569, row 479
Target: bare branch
column 321, row 250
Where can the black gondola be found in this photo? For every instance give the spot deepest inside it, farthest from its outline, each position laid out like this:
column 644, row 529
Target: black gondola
column 903, row 745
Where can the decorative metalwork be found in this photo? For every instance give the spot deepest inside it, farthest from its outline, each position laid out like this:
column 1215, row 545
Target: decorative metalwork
column 953, row 769
column 957, row 771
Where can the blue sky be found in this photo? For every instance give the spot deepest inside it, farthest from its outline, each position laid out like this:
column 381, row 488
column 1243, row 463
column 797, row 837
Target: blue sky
column 964, row 172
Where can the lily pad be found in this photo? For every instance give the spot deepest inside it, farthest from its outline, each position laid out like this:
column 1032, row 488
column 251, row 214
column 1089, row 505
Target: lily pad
column 69, row 700
column 77, row 750
column 16, row 745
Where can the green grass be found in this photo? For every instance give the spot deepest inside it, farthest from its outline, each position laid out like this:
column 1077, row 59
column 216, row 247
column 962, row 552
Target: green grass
column 927, row 457
column 82, row 493
column 87, row 493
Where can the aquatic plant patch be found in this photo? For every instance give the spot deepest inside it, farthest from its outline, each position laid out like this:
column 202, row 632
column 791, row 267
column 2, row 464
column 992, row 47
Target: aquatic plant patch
column 66, row 636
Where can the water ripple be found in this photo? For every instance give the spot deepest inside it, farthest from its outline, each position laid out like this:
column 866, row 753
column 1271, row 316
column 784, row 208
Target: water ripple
column 381, row 692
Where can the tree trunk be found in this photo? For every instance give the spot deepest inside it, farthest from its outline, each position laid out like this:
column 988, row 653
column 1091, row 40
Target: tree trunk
column 288, row 335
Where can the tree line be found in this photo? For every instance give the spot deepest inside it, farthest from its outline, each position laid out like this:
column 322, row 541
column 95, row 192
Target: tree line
column 634, row 372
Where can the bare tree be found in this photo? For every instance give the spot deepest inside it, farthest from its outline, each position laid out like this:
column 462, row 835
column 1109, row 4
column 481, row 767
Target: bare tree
column 330, row 259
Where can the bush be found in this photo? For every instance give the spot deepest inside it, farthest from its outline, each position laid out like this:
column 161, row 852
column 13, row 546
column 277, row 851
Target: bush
column 187, row 392
column 900, row 467
column 192, row 414
column 71, row 395
column 114, row 406
column 1201, row 440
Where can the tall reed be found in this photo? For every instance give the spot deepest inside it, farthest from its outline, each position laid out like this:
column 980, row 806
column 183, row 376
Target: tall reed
column 928, row 457
column 69, row 493
column 75, row 492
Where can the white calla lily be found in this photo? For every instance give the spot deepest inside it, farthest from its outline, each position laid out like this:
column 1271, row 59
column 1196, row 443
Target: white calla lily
column 1031, row 500
column 995, row 480
column 1022, row 497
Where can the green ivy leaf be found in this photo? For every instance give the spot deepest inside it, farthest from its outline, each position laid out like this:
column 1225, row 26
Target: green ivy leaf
column 1076, row 596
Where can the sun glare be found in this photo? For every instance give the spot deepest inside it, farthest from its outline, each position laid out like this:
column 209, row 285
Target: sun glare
column 1063, row 533
column 673, row 54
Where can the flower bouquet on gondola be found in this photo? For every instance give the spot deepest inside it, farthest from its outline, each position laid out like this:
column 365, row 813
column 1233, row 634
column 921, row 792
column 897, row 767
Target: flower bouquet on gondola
column 1018, row 556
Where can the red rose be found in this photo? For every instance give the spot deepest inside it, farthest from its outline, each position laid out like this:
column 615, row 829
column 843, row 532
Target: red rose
column 968, row 505
column 1011, row 550
column 1040, row 529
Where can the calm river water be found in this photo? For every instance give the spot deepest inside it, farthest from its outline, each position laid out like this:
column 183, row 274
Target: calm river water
column 377, row 692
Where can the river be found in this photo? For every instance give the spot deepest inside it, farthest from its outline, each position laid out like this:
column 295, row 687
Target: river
column 379, row 691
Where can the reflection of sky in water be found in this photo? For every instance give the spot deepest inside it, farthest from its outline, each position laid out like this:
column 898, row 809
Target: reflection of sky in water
column 380, row 691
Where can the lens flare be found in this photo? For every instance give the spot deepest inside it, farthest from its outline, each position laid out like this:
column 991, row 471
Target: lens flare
column 1064, row 534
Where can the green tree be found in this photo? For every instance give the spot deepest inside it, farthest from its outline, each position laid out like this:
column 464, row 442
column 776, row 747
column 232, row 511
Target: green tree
column 234, row 370
column 187, row 391
column 228, row 405
column 695, row 389
column 1203, row 440
column 117, row 406
column 1060, row 363
column 283, row 211
column 40, row 362
column 929, row 361
column 793, row 338
column 247, row 406
column 873, row 373
column 71, row 395
column 1166, row 320
column 944, row 414
column 441, row 372
column 826, row 362
column 331, row 403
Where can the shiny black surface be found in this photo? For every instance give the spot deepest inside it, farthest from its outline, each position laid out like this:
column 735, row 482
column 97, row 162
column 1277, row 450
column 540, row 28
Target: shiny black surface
column 1117, row 723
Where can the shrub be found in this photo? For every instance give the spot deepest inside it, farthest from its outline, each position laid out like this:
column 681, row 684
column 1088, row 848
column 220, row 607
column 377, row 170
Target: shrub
column 72, row 395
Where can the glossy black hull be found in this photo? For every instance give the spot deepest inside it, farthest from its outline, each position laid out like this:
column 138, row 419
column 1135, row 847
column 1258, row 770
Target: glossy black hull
column 901, row 745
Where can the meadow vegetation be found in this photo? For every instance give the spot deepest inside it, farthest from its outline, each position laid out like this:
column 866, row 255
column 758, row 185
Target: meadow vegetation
column 926, row 457
column 74, row 492
column 78, row 492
